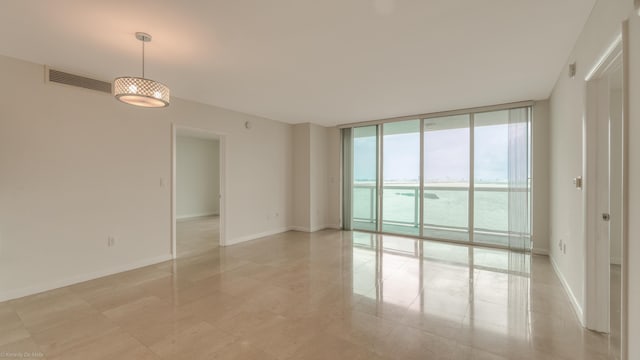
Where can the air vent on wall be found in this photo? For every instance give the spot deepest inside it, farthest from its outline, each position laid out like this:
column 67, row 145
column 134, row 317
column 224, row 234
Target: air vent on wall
column 61, row 77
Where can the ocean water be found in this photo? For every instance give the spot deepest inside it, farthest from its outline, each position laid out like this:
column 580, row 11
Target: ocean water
column 442, row 208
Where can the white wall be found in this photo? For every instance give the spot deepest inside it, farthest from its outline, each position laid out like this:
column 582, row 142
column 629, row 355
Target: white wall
column 325, row 177
column 540, row 179
column 319, row 176
column 316, row 187
column 567, row 111
column 633, row 252
column 77, row 166
column 301, row 174
column 334, row 210
column 197, row 177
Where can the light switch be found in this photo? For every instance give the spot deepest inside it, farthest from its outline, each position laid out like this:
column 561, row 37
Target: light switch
column 578, row 182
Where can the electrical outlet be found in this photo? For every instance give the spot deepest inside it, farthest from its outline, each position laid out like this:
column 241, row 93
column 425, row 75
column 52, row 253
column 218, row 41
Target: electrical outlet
column 111, row 241
column 572, row 70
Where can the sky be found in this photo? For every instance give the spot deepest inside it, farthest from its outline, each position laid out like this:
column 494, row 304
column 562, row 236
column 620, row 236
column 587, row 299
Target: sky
column 446, row 156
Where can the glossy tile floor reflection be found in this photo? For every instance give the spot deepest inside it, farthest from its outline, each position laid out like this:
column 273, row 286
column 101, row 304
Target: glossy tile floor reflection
column 326, row 295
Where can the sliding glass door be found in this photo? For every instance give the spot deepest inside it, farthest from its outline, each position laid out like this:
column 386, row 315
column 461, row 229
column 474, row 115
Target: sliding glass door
column 491, row 177
column 501, row 178
column 401, row 177
column 446, row 174
column 464, row 177
column 364, row 187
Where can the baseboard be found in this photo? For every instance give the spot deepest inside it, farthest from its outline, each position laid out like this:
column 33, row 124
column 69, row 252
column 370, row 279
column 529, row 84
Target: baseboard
column 35, row 289
column 315, row 228
column 192, row 216
column 256, row 236
column 299, row 228
column 325, row 227
column 572, row 298
column 540, row 251
column 615, row 261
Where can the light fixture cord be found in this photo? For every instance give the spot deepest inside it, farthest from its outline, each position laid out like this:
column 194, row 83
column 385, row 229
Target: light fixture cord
column 142, row 58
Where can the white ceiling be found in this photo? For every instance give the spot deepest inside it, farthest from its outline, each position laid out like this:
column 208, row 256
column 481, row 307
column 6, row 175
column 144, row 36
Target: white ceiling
column 322, row 61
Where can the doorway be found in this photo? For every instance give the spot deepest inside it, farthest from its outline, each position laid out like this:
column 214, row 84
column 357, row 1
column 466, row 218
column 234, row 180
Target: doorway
column 603, row 152
column 197, row 192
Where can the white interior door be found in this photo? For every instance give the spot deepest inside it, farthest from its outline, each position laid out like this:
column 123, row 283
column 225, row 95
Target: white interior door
column 603, row 174
column 596, row 204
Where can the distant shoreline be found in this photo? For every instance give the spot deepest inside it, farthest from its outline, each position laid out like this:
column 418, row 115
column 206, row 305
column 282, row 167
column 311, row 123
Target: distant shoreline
column 434, row 185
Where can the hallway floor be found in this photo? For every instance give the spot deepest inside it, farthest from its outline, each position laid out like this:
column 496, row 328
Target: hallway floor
column 196, row 235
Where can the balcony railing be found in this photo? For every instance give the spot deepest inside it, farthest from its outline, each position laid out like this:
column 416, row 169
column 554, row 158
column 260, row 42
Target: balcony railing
column 445, row 210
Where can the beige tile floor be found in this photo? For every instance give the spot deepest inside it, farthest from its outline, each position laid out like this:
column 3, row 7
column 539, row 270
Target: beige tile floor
column 326, row 295
column 195, row 235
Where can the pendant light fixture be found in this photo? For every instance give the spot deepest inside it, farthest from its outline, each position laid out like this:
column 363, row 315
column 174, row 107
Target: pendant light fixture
column 140, row 91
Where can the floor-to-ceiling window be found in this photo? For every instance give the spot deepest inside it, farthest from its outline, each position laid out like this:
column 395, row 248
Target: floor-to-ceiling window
column 491, row 175
column 459, row 177
column 401, row 177
column 446, row 177
column 364, row 207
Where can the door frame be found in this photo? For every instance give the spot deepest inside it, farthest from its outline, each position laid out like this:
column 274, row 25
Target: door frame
column 597, row 260
column 206, row 134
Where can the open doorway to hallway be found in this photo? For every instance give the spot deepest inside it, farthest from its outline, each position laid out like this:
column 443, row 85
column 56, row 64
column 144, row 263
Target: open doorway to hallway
column 197, row 192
